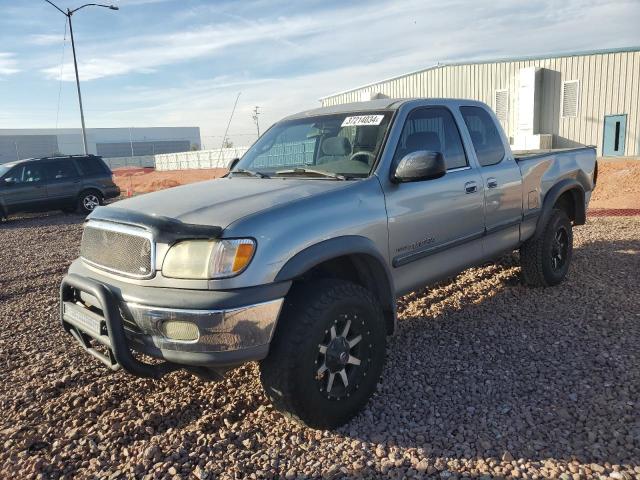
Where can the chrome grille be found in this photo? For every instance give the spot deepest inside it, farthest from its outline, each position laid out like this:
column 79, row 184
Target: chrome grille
column 118, row 248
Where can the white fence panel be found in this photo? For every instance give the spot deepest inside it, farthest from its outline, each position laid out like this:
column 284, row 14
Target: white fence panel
column 216, row 158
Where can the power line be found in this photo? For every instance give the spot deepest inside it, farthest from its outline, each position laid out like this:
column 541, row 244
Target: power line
column 229, row 124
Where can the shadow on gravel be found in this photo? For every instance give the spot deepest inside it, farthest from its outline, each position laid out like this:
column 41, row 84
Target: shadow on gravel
column 44, row 219
column 526, row 373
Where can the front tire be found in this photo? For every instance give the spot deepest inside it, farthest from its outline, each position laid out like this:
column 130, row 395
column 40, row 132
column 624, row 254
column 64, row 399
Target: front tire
column 88, row 201
column 327, row 353
column 545, row 260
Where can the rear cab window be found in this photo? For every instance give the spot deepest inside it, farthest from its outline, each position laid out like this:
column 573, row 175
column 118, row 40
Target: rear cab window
column 432, row 129
column 484, row 134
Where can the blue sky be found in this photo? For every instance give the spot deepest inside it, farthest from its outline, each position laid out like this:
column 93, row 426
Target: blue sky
column 182, row 62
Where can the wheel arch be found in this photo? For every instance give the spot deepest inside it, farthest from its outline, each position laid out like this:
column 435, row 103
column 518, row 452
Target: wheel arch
column 90, row 188
column 352, row 258
column 569, row 195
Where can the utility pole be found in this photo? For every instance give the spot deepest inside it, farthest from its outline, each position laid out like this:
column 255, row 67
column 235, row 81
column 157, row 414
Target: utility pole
column 68, row 14
column 131, row 141
column 255, row 118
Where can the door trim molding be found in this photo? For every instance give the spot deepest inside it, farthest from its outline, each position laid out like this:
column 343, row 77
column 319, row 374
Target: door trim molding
column 406, row 258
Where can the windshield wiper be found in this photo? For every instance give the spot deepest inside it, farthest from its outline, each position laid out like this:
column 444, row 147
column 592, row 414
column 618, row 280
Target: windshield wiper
column 322, row 173
column 250, row 172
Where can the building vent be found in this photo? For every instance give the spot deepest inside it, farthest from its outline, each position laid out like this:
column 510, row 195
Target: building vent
column 502, row 106
column 570, row 98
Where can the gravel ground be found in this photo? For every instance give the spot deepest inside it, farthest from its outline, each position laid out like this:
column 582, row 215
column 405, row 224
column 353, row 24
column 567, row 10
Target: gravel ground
column 484, row 378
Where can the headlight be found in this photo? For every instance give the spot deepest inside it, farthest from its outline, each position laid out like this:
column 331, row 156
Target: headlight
column 202, row 259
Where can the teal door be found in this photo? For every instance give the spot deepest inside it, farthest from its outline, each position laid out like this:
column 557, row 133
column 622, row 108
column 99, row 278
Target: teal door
column 615, row 127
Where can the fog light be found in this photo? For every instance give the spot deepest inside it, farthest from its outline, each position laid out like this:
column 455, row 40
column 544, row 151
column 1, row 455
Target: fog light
column 180, row 330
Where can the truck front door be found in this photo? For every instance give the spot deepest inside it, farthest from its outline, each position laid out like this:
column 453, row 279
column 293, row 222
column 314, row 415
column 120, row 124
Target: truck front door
column 435, row 226
column 501, row 178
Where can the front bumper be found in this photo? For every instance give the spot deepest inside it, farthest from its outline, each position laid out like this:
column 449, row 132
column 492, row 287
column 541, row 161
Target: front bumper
column 210, row 339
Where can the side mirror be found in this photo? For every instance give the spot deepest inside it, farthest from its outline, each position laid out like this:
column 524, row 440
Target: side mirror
column 9, row 181
column 420, row 165
column 233, row 163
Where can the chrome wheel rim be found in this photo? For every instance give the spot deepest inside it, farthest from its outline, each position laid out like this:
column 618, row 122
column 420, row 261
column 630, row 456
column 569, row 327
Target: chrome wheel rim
column 559, row 248
column 90, row 201
column 343, row 357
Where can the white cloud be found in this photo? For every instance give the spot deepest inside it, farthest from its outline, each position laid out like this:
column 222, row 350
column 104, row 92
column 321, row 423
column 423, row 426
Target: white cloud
column 8, row 65
column 45, row 39
column 285, row 63
column 344, row 48
column 287, row 37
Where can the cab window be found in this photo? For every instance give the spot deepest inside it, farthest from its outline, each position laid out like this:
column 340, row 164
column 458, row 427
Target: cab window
column 484, row 135
column 432, row 129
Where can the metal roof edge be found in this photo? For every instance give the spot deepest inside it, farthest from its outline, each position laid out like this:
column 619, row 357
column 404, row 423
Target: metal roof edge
column 494, row 60
column 395, row 77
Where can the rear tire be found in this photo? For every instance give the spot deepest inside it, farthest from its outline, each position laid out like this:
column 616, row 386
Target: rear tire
column 89, row 200
column 545, row 260
column 327, row 353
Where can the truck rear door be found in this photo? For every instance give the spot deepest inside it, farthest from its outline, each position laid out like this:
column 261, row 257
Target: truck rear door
column 435, row 226
column 501, row 178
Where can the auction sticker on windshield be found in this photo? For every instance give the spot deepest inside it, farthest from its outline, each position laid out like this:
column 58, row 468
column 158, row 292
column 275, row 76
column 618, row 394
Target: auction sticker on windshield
column 362, row 120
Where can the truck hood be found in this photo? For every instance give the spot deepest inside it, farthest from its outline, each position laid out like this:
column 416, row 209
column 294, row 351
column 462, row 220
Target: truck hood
column 222, row 201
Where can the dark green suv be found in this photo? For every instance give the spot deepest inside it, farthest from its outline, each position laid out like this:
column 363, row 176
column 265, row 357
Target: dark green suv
column 70, row 183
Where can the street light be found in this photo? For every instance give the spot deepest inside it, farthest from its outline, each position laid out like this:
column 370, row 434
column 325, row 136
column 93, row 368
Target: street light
column 68, row 14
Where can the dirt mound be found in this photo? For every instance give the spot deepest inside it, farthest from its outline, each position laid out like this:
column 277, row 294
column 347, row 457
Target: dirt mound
column 618, row 185
column 138, row 181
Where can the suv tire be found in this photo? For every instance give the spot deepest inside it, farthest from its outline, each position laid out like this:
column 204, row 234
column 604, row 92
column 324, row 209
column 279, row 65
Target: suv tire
column 327, row 353
column 89, row 200
column 545, row 260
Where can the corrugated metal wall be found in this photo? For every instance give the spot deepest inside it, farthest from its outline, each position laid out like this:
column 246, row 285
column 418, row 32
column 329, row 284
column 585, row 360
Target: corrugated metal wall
column 609, row 85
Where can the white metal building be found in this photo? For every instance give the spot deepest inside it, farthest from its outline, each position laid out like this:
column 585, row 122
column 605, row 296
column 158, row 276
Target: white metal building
column 586, row 98
column 108, row 142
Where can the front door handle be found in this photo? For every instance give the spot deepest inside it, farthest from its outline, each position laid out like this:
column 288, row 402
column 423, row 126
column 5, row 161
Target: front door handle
column 492, row 182
column 470, row 187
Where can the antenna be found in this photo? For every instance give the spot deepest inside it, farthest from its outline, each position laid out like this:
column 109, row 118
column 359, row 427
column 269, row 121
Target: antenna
column 224, row 138
column 255, row 118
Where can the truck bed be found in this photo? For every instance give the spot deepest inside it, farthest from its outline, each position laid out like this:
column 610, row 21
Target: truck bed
column 520, row 155
column 541, row 170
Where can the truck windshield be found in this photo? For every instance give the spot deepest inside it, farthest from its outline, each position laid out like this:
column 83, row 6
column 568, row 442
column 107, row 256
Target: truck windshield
column 340, row 147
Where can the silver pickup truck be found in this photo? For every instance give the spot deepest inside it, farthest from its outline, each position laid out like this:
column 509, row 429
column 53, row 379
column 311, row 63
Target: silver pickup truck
column 295, row 259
